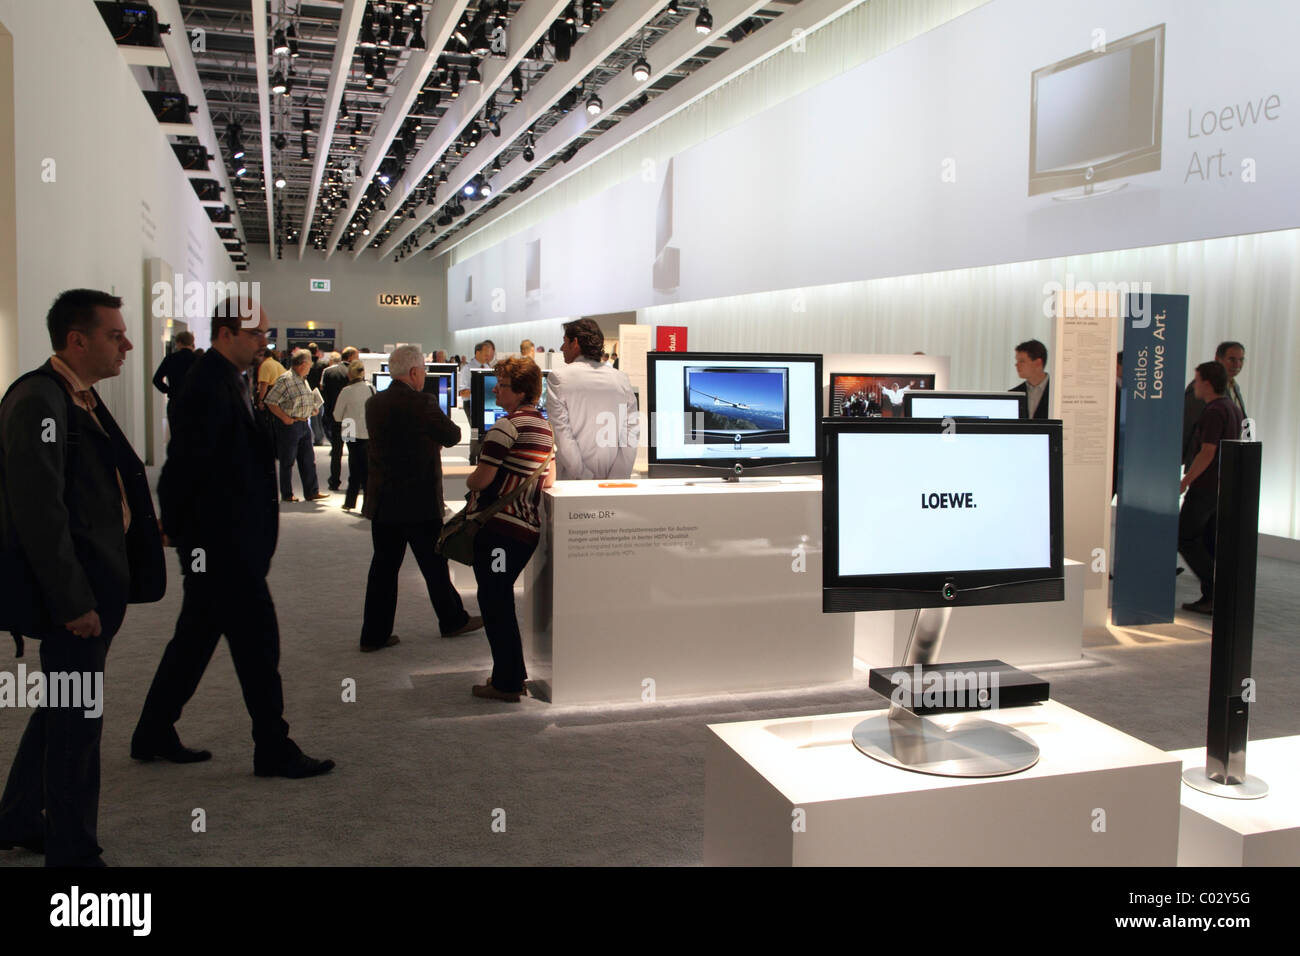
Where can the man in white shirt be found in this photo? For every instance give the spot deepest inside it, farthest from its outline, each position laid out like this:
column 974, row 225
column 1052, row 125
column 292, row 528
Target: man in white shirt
column 485, row 354
column 592, row 409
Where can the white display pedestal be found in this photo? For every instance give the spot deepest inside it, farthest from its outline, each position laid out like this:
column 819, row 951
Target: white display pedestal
column 1264, row 832
column 1046, row 632
column 858, row 812
column 672, row 588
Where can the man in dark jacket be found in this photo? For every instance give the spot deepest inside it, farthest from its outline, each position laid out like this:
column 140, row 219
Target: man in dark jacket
column 404, row 500
column 172, row 369
column 1031, row 365
column 217, row 493
column 318, row 367
column 334, row 380
column 80, row 542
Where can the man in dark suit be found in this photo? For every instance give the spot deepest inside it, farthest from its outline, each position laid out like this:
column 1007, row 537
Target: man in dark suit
column 80, row 542
column 1031, row 362
column 172, row 369
column 333, row 380
column 318, row 367
column 404, row 500
column 218, row 498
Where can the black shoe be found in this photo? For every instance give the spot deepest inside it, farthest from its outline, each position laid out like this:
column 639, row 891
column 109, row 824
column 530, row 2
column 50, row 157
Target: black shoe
column 392, row 639
column 1203, row 606
column 34, row 844
column 473, row 624
column 177, row 753
column 296, row 766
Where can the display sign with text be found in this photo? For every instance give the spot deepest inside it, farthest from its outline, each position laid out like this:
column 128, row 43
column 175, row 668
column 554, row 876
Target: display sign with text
column 1150, row 452
column 670, row 338
column 399, row 299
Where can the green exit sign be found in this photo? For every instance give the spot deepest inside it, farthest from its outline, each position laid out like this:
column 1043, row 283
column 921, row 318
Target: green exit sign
column 320, row 285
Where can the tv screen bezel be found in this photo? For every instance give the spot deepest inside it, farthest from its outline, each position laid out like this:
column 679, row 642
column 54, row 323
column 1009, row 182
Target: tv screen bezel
column 883, row 592
column 734, row 465
column 1020, row 398
column 1143, row 160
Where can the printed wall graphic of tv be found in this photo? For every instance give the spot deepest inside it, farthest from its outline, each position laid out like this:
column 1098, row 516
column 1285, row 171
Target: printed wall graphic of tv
column 738, row 405
column 1096, row 117
column 874, row 394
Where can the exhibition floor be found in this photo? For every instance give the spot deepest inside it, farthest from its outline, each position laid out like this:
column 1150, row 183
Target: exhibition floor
column 422, row 765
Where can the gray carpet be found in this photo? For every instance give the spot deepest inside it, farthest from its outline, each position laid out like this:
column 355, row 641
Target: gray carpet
column 423, row 765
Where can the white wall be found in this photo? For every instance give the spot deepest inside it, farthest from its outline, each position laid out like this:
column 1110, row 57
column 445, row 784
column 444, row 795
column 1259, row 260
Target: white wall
column 353, row 299
column 99, row 190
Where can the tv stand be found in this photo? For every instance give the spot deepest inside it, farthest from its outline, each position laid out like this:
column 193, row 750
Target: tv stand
column 951, row 745
column 1088, row 191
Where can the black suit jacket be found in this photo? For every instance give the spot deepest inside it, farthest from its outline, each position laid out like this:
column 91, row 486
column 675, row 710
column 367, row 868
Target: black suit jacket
column 217, row 490
column 65, row 549
column 174, row 368
column 333, row 381
column 407, row 434
column 1044, row 406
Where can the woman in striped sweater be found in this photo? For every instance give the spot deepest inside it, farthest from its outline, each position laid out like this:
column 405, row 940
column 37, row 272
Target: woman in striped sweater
column 513, row 449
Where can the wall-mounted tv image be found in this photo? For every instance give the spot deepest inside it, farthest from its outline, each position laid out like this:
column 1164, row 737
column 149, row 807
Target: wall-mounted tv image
column 966, row 405
column 381, row 380
column 744, row 406
column 726, row 413
column 484, row 402
column 874, row 394
column 966, row 517
column 1096, row 117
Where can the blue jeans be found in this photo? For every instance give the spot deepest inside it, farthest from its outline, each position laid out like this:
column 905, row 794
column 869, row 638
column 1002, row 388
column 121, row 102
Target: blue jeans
column 294, row 444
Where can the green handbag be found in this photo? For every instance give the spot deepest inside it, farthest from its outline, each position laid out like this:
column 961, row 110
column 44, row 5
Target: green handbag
column 456, row 541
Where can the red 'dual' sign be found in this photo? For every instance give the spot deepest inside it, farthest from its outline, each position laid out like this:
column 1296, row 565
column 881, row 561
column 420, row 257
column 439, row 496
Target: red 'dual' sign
column 670, row 338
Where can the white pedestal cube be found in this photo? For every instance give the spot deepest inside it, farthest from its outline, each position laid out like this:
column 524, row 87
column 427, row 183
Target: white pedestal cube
column 1264, row 832
column 795, row 791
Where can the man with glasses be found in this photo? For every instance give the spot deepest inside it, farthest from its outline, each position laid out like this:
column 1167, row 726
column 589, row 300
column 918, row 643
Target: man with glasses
column 218, row 501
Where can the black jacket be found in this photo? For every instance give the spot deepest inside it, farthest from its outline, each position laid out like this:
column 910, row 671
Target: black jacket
column 316, row 371
column 174, row 368
column 217, row 490
column 407, row 434
column 65, row 550
column 1044, row 406
column 333, row 381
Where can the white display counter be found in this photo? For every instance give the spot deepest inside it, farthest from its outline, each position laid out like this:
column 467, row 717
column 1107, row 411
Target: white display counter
column 1264, row 832
column 671, row 588
column 1096, row 797
column 1045, row 632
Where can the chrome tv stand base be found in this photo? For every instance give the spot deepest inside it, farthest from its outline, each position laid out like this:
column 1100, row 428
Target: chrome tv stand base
column 951, row 745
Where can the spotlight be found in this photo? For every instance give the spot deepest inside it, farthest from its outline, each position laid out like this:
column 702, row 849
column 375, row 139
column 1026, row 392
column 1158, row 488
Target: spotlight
column 368, row 71
column 352, row 144
column 367, row 41
column 641, row 70
column 471, row 188
column 381, row 69
column 365, row 231
column 277, row 82
column 570, row 15
column 417, row 37
column 496, row 164
column 292, row 34
column 704, row 21
column 586, row 14
column 594, row 105
column 442, row 176
column 288, row 84
column 233, row 133
column 473, row 76
column 528, row 154
column 444, row 219
column 306, row 122
column 280, row 181
column 454, row 82
column 673, row 8
column 485, row 191
column 281, row 44
column 494, row 123
column 343, row 108
column 370, row 82
column 410, row 214
column 240, row 169
column 280, row 141
column 478, row 41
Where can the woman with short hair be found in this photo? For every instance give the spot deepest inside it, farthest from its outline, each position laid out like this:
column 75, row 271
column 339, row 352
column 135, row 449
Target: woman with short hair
column 351, row 406
column 512, row 452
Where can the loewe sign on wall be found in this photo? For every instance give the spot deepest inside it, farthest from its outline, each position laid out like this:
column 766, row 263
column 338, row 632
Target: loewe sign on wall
column 395, row 298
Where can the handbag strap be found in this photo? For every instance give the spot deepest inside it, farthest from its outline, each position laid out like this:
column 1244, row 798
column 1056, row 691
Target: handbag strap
column 482, row 516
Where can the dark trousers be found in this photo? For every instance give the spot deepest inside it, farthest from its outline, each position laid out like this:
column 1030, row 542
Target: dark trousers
column 358, row 469
column 240, row 608
column 1195, row 518
column 56, row 768
column 390, row 541
column 498, row 562
column 293, row 443
column 335, row 431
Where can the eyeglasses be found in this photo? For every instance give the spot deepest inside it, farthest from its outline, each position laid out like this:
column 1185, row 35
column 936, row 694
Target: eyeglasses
column 257, row 333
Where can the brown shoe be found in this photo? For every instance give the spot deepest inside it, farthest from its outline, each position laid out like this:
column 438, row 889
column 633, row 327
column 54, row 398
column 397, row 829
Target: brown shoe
column 489, row 692
column 473, row 624
column 318, row 496
column 290, row 498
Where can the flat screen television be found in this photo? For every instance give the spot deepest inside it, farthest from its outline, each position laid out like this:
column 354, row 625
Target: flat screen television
column 381, row 380
column 916, row 514
column 984, row 405
column 728, row 413
column 873, row 394
column 1097, row 116
column 445, row 370
column 484, row 402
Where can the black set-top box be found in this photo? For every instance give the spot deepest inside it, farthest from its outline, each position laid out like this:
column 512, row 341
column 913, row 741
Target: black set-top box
column 927, row 689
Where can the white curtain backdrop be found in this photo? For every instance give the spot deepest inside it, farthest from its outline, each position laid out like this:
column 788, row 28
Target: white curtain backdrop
column 1241, row 287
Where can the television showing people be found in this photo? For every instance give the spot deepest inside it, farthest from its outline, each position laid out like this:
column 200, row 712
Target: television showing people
column 873, row 394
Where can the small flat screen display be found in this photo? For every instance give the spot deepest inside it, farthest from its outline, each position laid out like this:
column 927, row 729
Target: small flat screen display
column 873, row 394
column 381, row 381
column 972, row 405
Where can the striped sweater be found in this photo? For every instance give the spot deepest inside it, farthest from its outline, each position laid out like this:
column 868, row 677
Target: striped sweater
column 517, row 444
